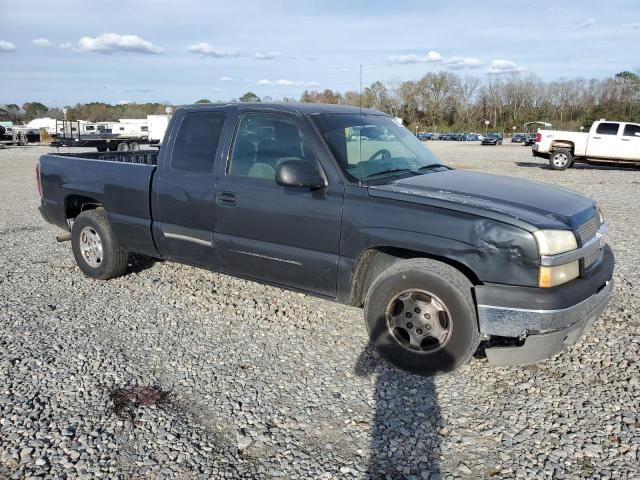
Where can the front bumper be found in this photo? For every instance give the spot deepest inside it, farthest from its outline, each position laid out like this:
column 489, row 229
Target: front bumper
column 551, row 320
column 544, row 345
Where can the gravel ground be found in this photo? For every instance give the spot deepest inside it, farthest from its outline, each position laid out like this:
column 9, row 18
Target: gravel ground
column 264, row 383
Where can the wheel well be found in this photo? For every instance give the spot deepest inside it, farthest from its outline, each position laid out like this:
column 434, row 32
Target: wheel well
column 563, row 145
column 374, row 260
column 74, row 205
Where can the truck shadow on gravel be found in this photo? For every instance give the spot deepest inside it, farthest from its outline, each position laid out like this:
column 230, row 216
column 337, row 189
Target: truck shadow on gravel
column 139, row 263
column 406, row 435
column 582, row 166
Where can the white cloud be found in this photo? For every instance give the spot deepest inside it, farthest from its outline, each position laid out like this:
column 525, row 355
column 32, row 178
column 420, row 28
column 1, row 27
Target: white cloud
column 225, row 79
column 286, row 83
column 208, row 50
column 266, row 55
column 433, row 57
column 42, row 42
column 587, row 23
column 115, row 43
column 6, row 46
column 343, row 68
column 499, row 67
column 66, row 45
column 459, row 63
column 406, row 59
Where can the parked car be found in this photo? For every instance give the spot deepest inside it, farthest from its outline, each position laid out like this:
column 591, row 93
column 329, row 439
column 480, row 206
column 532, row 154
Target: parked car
column 471, row 137
column 518, row 138
column 606, row 141
column 529, row 140
column 492, row 139
column 439, row 259
column 424, row 136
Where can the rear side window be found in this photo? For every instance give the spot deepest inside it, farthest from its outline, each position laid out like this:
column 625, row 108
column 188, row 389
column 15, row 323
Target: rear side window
column 197, row 142
column 631, row 130
column 608, row 128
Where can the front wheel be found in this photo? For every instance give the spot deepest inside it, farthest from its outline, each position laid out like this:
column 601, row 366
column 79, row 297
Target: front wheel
column 421, row 317
column 95, row 247
column 560, row 160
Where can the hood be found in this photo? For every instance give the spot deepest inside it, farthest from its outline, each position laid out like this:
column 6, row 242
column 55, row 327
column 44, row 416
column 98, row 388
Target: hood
column 511, row 199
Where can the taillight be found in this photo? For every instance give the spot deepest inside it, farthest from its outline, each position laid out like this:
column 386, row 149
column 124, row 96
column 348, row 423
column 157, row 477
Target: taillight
column 38, row 181
column 538, row 137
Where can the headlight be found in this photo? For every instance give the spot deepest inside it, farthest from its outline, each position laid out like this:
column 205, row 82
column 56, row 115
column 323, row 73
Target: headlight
column 600, row 215
column 553, row 276
column 552, row 242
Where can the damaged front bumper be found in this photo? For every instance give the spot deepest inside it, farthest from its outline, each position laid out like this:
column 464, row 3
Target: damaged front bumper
column 542, row 323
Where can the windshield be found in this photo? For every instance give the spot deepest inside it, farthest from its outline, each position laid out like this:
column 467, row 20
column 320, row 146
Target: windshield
column 372, row 146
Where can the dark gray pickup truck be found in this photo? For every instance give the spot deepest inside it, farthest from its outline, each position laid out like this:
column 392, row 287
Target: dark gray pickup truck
column 346, row 204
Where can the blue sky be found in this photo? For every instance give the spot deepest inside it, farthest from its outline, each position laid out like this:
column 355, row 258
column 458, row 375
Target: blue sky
column 179, row 51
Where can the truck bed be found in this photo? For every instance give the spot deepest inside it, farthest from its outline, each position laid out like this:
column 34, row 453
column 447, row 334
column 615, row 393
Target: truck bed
column 142, row 157
column 119, row 181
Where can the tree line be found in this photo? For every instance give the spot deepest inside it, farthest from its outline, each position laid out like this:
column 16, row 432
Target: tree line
column 436, row 102
column 446, row 101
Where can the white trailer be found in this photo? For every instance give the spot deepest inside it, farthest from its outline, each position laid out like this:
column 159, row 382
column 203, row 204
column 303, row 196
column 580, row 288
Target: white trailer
column 157, row 126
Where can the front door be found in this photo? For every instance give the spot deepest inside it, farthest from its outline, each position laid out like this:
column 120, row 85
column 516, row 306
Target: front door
column 183, row 189
column 605, row 141
column 287, row 236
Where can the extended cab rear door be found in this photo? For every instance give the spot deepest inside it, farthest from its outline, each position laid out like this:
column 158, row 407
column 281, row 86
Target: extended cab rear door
column 604, row 141
column 183, row 188
column 287, row 236
column 630, row 142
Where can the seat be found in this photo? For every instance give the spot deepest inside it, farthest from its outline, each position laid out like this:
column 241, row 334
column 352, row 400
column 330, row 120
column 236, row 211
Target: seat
column 244, row 156
column 268, row 152
column 262, row 170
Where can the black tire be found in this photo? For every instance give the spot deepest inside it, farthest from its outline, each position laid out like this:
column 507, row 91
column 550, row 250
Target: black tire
column 560, row 159
column 112, row 147
column 112, row 258
column 446, row 284
column 102, row 148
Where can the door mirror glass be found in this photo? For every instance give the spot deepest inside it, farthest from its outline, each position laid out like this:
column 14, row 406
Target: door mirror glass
column 300, row 173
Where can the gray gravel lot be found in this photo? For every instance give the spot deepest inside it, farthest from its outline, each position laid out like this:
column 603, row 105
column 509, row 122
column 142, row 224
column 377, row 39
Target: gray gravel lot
column 266, row 383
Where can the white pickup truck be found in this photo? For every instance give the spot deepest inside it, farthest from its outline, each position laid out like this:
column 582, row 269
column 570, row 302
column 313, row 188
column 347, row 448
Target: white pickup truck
column 606, row 141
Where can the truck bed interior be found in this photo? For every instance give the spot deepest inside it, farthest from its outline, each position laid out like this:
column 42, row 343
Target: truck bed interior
column 142, row 157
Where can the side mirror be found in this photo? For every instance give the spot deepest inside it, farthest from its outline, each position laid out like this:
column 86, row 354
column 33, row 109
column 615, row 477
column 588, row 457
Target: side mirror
column 300, row 173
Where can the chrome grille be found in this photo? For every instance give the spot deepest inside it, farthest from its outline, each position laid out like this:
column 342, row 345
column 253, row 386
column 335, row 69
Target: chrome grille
column 586, row 232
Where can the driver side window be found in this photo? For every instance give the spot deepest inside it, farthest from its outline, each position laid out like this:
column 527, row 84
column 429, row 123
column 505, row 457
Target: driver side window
column 263, row 142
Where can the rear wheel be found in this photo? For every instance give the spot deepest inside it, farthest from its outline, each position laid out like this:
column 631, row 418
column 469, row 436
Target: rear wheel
column 560, row 159
column 421, row 317
column 134, row 147
column 102, row 148
column 95, row 247
column 123, row 147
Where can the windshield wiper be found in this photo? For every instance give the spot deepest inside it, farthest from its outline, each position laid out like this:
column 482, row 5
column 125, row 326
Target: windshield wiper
column 391, row 170
column 431, row 166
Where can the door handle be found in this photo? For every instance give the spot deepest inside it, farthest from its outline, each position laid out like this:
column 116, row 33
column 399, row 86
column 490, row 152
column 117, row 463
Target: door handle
column 625, row 139
column 227, row 199
column 597, row 138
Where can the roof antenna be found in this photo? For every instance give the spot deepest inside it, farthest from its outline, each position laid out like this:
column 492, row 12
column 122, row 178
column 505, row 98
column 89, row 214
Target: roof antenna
column 360, row 89
column 360, row 133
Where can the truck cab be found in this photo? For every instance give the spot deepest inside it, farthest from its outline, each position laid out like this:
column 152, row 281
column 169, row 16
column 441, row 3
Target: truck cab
column 606, row 141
